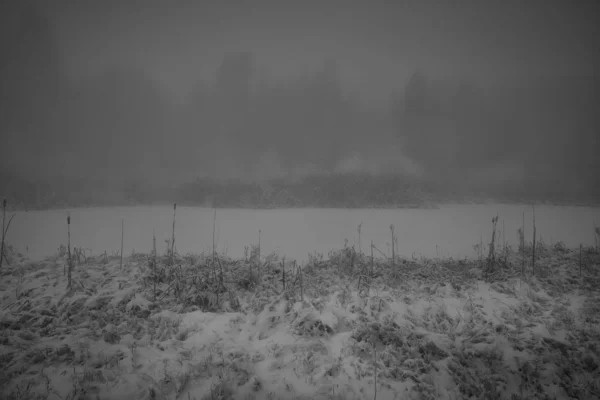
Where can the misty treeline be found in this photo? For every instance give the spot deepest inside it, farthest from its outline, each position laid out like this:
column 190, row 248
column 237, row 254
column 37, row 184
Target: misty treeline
column 539, row 135
column 120, row 129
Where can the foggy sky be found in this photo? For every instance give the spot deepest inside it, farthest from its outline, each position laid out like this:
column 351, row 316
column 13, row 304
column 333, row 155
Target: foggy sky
column 376, row 45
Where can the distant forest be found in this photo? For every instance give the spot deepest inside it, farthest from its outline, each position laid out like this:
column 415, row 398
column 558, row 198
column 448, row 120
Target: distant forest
column 244, row 138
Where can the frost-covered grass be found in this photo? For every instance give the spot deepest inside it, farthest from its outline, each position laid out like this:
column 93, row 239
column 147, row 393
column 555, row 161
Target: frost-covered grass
column 341, row 327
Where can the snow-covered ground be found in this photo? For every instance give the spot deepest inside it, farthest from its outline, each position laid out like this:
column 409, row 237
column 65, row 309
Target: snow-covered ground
column 450, row 231
column 343, row 328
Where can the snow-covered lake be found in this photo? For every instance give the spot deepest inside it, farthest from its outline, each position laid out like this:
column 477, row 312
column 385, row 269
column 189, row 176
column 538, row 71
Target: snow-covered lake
column 451, row 230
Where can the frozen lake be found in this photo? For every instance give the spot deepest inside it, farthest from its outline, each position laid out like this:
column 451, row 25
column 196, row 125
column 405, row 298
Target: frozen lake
column 451, row 230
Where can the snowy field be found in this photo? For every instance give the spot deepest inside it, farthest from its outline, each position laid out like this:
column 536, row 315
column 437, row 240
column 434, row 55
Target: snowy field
column 356, row 323
column 450, row 231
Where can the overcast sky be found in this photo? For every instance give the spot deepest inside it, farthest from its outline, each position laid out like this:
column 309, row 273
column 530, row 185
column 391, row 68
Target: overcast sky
column 377, row 45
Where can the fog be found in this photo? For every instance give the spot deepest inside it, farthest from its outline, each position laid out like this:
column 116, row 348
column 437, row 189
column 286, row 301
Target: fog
column 114, row 98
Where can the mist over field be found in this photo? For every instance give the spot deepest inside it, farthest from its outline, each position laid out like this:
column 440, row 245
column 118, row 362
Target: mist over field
column 299, row 199
column 122, row 102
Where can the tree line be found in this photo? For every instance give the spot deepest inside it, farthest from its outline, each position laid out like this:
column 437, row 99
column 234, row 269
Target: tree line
column 120, row 127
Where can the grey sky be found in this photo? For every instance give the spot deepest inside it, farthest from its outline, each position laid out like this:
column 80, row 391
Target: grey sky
column 377, row 44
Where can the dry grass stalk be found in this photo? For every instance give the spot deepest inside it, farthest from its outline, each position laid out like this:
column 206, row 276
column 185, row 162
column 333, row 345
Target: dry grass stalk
column 217, row 278
column 69, row 260
column 359, row 241
column 154, row 263
column 375, row 375
column 360, row 275
column 5, row 227
column 213, row 241
column 492, row 250
column 173, row 236
column 283, row 272
column 220, row 279
column 505, row 248
column 301, row 285
column 534, row 235
column 122, row 234
column 3, row 219
column 523, row 246
column 393, row 249
column 372, row 267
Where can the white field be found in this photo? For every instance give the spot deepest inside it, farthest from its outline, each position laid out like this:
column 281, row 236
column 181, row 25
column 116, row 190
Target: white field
column 450, row 231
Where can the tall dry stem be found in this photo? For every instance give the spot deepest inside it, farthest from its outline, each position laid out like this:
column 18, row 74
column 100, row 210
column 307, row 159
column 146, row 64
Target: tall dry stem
column 301, row 285
column 393, row 248
column 5, row 227
column 492, row 250
column 122, row 234
column 283, row 272
column 534, row 237
column 372, row 268
column 523, row 245
column 359, row 241
column 173, row 236
column 259, row 232
column 69, row 264
column 154, row 263
column 213, row 242
column 258, row 261
column 375, row 375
